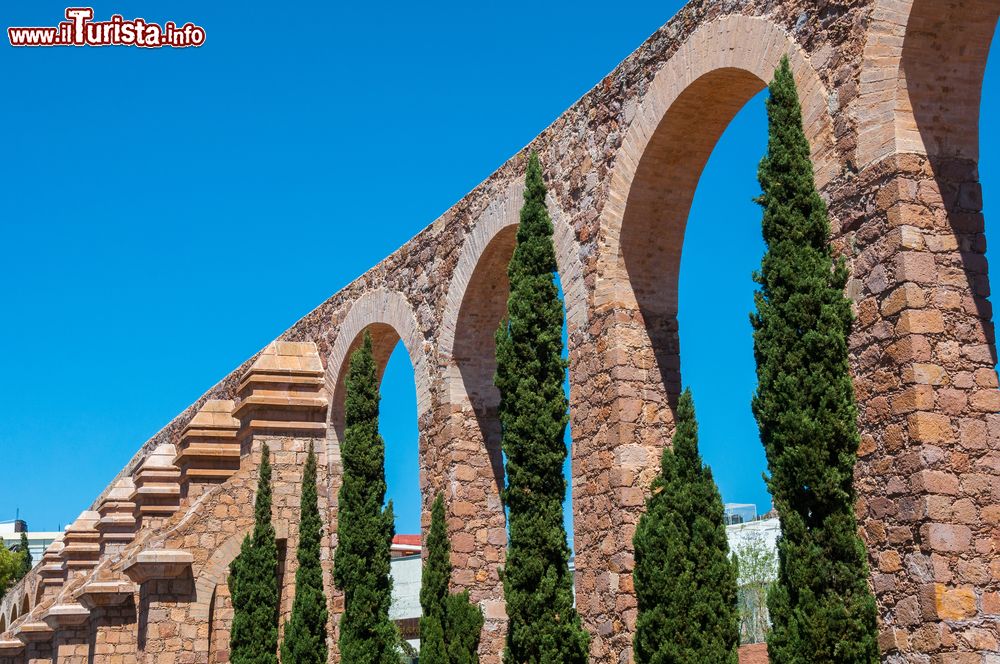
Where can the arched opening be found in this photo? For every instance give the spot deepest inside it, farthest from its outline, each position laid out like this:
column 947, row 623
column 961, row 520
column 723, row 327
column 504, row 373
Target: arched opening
column 656, row 213
column 715, row 332
column 403, row 419
column 25, row 603
column 398, row 427
column 474, row 354
column 676, row 125
column 718, row 361
column 476, row 305
column 3, row 623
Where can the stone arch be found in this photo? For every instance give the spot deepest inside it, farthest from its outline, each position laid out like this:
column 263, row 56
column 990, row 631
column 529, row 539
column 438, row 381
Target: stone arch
column 204, row 609
column 471, row 474
column 3, row 623
column 674, row 128
column 25, row 602
column 388, row 316
column 921, row 80
column 627, row 415
column 212, row 573
column 477, row 301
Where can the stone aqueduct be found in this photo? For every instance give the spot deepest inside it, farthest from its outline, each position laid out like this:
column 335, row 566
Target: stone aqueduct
column 891, row 92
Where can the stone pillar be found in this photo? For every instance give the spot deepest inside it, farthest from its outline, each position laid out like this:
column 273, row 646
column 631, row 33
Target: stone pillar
column 459, row 467
column 282, row 402
column 166, row 588
column 113, row 631
column 117, row 517
column 112, row 625
column 209, row 450
column 53, row 568
column 81, row 544
column 923, row 355
column 624, row 376
column 70, row 642
column 37, row 638
column 157, row 488
column 220, row 624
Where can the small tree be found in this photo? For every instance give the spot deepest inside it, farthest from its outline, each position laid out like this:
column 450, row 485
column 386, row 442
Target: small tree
column 685, row 583
column 757, row 565
column 10, row 564
column 364, row 527
column 821, row 606
column 450, row 625
column 305, row 632
column 253, row 583
column 543, row 624
column 24, row 552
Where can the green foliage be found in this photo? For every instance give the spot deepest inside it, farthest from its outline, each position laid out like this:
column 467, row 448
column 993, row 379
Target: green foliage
column 685, row 583
column 25, row 554
column 821, row 606
column 407, row 653
column 757, row 565
column 10, row 565
column 305, row 632
column 365, row 528
column 543, row 625
column 434, row 589
column 464, row 623
column 253, row 583
column 450, row 625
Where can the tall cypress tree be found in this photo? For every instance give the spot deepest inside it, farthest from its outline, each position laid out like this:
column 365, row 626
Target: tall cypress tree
column 543, row 626
column 364, row 527
column 26, row 559
column 450, row 624
column 821, row 606
column 305, row 632
column 685, row 582
column 253, row 583
column 434, row 589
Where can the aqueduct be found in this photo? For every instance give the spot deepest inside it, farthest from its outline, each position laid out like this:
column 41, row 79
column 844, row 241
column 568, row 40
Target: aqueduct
column 891, row 92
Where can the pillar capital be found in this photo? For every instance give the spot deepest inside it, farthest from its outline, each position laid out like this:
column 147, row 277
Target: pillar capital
column 282, row 393
column 209, row 449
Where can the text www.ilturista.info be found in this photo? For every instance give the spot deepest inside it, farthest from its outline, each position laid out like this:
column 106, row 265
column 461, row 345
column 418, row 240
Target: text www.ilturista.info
column 81, row 30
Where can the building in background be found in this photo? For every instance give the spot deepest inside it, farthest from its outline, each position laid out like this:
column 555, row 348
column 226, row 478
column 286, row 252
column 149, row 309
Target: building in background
column 10, row 532
column 405, row 569
column 744, row 529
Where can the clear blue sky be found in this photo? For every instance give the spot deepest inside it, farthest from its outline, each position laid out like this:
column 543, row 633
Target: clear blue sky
column 167, row 213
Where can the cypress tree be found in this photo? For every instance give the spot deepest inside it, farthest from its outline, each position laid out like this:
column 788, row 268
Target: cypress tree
column 434, row 589
column 685, row 583
column 821, row 606
column 543, row 625
column 365, row 528
column 26, row 559
column 464, row 623
column 450, row 625
column 253, row 583
column 305, row 632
